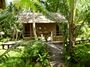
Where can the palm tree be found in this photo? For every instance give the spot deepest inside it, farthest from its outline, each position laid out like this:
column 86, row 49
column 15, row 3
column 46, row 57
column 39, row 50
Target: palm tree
column 72, row 10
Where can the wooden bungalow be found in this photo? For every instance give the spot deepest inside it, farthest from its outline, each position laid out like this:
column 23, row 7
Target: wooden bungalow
column 44, row 26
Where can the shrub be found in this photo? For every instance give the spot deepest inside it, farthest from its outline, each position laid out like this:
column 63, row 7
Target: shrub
column 81, row 56
column 35, row 52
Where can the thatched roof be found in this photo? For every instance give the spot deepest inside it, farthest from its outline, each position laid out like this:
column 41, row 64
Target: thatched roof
column 29, row 17
column 58, row 17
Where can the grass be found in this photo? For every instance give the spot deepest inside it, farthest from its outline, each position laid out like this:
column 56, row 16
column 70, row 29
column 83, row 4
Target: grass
column 14, row 57
column 13, row 53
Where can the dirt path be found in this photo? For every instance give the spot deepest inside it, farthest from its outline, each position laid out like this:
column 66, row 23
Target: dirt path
column 56, row 56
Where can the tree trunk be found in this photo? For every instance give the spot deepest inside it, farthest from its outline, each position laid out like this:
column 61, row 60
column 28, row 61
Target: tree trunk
column 13, row 33
column 34, row 28
column 72, row 37
column 16, row 36
column 72, row 33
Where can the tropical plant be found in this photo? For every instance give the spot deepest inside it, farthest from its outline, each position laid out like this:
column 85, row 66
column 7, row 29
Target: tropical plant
column 8, row 21
column 35, row 52
column 81, row 56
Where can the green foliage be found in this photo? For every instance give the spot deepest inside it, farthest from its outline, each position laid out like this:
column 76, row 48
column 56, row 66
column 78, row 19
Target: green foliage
column 12, row 62
column 10, row 59
column 36, row 52
column 82, row 53
column 4, row 39
column 80, row 56
column 29, row 5
column 33, row 54
column 9, row 20
column 57, row 6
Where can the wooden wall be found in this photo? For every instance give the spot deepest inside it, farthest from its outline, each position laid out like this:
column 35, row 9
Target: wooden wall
column 2, row 4
column 41, row 28
column 46, row 28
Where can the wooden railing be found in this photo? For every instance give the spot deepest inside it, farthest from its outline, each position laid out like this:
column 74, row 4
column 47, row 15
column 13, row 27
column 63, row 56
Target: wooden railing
column 54, row 38
column 58, row 39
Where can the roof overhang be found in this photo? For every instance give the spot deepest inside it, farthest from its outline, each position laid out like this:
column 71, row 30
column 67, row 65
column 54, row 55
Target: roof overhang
column 29, row 17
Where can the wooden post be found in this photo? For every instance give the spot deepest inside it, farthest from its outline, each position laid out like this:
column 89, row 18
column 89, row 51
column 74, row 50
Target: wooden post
column 52, row 35
column 34, row 28
column 30, row 30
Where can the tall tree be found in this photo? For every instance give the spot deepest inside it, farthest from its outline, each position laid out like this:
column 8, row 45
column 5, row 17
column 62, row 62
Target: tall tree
column 75, row 11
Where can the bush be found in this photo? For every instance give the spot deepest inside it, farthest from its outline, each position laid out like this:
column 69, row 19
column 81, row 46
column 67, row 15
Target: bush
column 81, row 56
column 35, row 52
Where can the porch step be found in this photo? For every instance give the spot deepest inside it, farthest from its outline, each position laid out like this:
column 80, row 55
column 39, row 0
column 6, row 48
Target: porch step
column 57, row 42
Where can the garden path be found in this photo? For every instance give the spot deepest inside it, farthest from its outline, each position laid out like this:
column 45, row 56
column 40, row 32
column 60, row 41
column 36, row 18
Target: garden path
column 56, row 54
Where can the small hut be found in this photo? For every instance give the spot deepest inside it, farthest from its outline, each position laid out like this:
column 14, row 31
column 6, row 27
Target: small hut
column 43, row 25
